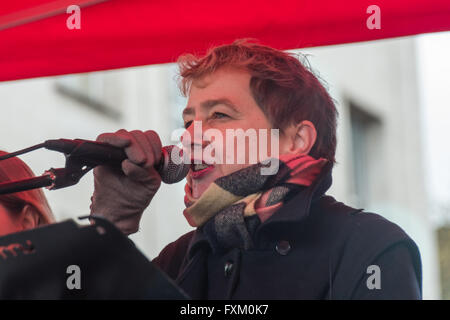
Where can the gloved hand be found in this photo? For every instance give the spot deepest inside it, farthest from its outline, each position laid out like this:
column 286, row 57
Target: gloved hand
column 122, row 194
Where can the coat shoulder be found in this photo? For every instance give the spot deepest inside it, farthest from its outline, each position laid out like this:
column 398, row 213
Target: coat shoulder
column 359, row 238
column 357, row 224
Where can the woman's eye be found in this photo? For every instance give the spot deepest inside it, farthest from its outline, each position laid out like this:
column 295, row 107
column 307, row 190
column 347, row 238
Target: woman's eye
column 219, row 115
column 187, row 124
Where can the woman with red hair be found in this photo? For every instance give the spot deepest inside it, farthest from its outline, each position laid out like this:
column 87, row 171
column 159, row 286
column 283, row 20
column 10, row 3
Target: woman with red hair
column 21, row 210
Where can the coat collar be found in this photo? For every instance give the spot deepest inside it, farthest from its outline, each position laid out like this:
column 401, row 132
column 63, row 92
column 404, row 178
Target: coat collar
column 298, row 208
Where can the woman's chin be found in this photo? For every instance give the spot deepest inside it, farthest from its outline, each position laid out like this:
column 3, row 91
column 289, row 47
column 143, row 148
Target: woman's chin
column 198, row 186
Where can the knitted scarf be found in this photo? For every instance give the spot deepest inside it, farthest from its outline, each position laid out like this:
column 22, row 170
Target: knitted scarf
column 233, row 206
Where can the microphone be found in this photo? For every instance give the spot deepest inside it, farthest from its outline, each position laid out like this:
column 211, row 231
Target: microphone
column 96, row 153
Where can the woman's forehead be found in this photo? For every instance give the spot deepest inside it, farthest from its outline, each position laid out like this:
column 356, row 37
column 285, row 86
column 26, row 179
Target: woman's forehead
column 232, row 86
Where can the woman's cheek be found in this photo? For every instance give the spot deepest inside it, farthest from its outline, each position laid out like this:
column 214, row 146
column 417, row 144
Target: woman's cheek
column 7, row 224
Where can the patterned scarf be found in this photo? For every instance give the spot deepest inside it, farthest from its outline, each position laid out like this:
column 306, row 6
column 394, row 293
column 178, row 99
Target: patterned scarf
column 233, row 206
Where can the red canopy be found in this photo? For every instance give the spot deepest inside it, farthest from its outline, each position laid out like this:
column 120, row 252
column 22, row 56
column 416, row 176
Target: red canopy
column 35, row 41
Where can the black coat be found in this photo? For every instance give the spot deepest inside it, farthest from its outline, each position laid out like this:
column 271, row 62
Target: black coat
column 312, row 248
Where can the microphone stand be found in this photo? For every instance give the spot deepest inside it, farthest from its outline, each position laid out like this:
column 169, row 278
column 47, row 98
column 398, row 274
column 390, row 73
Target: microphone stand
column 76, row 167
column 26, row 184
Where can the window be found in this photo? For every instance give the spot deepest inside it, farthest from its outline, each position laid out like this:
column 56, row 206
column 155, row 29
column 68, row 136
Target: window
column 364, row 130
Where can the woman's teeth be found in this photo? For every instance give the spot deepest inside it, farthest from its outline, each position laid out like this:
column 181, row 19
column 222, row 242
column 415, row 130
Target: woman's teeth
column 198, row 167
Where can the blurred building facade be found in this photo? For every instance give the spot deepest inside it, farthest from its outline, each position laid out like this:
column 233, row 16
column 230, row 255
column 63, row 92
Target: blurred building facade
column 380, row 138
column 379, row 135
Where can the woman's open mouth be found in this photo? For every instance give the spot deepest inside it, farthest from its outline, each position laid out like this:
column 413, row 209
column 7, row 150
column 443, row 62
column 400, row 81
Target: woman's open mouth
column 199, row 170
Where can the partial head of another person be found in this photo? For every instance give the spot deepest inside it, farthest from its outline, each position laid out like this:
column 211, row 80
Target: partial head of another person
column 21, row 210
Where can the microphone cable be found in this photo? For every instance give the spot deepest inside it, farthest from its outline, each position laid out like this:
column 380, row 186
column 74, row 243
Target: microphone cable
column 26, row 150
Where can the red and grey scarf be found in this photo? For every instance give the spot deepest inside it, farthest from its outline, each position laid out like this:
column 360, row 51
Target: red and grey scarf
column 234, row 205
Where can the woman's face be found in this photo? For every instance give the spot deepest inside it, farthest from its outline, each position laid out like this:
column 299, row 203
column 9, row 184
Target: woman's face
column 8, row 222
column 221, row 101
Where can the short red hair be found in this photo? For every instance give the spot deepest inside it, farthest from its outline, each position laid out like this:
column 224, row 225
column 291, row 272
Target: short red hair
column 285, row 90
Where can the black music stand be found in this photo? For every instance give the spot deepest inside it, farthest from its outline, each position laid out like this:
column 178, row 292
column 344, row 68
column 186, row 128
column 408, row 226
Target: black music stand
column 34, row 264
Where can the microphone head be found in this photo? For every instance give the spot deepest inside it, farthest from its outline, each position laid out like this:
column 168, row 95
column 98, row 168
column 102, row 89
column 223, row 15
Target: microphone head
column 173, row 168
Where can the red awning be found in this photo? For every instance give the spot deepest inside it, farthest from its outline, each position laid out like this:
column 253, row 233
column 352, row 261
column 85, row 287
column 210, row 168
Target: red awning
column 35, row 41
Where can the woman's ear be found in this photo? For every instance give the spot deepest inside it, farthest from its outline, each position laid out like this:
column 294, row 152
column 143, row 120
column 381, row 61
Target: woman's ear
column 29, row 218
column 299, row 138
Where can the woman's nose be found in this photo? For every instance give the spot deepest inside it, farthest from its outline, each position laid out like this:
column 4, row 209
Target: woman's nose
column 194, row 135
